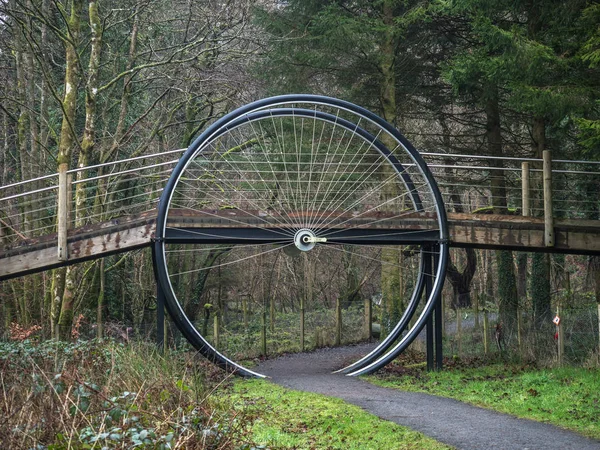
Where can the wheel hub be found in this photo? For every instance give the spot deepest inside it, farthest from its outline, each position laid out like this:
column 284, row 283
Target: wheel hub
column 306, row 239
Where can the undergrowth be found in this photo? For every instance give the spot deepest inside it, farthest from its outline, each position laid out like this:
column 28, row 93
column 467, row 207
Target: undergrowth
column 101, row 394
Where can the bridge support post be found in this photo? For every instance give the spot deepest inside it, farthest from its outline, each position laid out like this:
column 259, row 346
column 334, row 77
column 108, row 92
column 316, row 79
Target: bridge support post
column 438, row 335
column 433, row 330
column 64, row 188
column 160, row 317
column 548, row 214
column 437, row 314
column 430, row 343
column 160, row 309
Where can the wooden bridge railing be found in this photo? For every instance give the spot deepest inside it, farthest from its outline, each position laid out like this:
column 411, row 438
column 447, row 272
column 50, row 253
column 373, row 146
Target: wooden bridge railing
column 45, row 208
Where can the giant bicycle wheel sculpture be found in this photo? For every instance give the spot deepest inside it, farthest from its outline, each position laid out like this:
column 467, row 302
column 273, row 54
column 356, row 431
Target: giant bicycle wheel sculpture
column 304, row 173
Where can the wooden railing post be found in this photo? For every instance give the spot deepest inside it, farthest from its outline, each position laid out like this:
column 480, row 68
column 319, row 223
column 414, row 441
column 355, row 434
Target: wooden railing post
column 526, row 205
column 548, row 214
column 64, row 189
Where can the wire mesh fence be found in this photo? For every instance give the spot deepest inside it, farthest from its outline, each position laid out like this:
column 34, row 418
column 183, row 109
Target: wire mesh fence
column 468, row 334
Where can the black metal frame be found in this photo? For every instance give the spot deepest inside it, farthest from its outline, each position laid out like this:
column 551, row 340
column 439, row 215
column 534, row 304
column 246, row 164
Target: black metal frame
column 428, row 238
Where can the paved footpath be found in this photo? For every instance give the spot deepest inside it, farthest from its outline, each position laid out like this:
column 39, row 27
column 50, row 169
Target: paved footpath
column 449, row 421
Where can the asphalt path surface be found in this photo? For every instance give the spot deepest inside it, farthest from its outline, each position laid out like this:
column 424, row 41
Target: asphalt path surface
column 449, row 421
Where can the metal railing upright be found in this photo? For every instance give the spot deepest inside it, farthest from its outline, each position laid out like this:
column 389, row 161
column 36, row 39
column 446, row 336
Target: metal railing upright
column 103, row 192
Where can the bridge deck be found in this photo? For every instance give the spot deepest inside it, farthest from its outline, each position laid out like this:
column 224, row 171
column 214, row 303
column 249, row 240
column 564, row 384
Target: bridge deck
column 131, row 232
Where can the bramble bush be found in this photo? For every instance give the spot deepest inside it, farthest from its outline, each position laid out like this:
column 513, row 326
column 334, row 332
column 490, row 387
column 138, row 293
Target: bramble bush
column 103, row 394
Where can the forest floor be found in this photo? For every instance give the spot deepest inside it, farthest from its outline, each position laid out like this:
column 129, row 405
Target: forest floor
column 447, row 420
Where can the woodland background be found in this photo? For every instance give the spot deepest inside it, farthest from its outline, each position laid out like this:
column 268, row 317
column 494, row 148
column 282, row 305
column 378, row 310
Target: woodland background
column 85, row 83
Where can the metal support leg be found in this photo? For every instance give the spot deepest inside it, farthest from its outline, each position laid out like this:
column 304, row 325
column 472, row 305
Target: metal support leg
column 160, row 308
column 438, row 311
column 160, row 317
column 439, row 355
column 430, row 324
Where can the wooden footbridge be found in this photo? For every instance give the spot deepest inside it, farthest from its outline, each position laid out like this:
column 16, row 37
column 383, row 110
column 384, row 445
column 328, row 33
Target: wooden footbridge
column 129, row 223
column 297, row 172
column 126, row 233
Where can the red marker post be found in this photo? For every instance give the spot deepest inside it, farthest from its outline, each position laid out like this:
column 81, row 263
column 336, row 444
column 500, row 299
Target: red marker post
column 559, row 336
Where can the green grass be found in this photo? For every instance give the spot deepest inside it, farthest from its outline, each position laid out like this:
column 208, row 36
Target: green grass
column 567, row 397
column 289, row 419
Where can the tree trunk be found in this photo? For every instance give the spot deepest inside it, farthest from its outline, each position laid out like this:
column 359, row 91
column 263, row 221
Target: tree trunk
column 494, row 148
column 522, row 275
column 58, row 289
column 88, row 142
column 594, row 271
column 65, row 149
column 507, row 292
column 125, row 97
column 540, row 262
column 100, row 304
column 461, row 281
column 390, row 271
column 507, row 287
column 192, row 306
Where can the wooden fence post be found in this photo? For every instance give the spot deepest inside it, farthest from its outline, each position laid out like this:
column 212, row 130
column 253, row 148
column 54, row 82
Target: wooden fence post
column 216, row 331
column 304, row 299
column 263, row 333
column 476, row 323
column 459, row 331
column 272, row 312
column 245, row 310
column 368, row 319
column 561, row 340
column 301, row 325
column 548, row 214
column 338, row 322
column 525, row 183
column 64, row 189
column 486, row 330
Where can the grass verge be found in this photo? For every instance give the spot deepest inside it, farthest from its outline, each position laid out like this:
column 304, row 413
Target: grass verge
column 283, row 418
column 568, row 397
